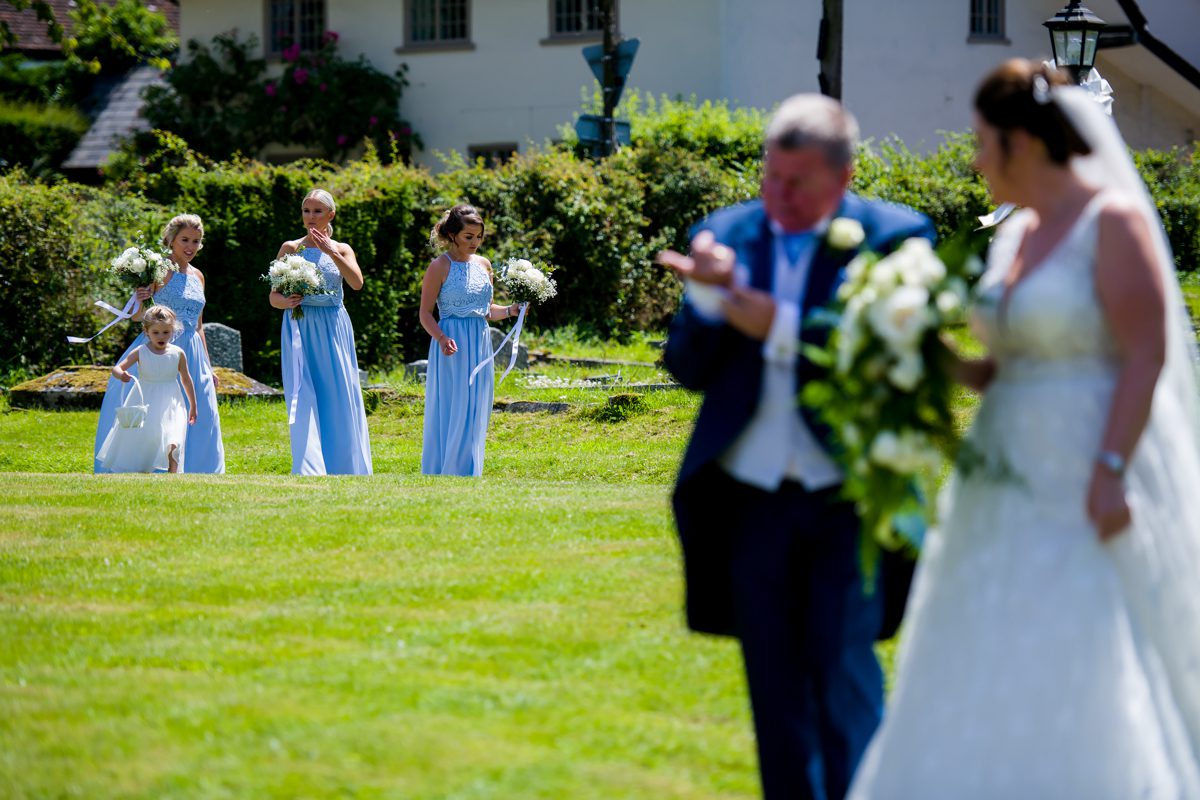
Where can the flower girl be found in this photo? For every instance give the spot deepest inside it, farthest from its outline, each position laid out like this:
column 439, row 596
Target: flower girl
column 157, row 442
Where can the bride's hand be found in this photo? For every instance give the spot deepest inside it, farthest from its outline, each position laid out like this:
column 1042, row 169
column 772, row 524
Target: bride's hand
column 1106, row 506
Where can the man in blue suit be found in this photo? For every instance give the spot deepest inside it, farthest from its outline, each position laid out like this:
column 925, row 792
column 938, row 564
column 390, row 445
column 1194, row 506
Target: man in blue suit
column 770, row 550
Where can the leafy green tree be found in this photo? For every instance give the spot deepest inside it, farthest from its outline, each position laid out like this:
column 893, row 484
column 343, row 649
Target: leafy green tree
column 222, row 102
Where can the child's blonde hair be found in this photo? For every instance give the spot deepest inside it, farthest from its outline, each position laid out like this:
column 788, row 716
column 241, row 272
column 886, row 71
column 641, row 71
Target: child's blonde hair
column 178, row 223
column 161, row 315
column 324, row 198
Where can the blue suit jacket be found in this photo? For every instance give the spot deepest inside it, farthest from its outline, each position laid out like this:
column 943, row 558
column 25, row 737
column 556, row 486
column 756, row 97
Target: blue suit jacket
column 727, row 365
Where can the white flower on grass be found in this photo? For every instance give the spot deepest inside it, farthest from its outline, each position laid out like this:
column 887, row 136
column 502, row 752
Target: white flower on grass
column 845, row 234
column 907, row 372
column 901, row 317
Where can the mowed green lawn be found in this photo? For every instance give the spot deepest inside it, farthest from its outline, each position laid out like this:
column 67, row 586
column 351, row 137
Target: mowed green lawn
column 261, row 635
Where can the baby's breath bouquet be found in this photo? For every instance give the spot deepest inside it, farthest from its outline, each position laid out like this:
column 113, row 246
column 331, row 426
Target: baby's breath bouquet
column 295, row 274
column 886, row 394
column 525, row 283
column 140, row 265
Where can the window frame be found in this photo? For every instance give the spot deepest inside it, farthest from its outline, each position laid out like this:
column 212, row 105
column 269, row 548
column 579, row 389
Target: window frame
column 494, row 154
column 269, row 29
column 437, row 44
column 1000, row 35
column 553, row 37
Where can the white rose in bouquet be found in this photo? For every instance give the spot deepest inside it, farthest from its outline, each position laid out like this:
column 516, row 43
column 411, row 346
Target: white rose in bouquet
column 907, row 372
column 901, row 317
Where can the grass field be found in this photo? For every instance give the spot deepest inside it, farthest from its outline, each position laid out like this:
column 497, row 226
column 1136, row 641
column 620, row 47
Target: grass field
column 261, row 635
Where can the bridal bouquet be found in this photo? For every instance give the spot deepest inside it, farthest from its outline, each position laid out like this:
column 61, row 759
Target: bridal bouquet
column 525, row 283
column 294, row 274
column 886, row 394
column 140, row 265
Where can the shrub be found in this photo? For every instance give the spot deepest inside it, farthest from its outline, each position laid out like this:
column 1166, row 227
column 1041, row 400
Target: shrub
column 55, row 245
column 224, row 103
column 38, row 136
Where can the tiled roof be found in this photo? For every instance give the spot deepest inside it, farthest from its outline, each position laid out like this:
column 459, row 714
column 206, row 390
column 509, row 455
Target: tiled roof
column 118, row 115
column 31, row 32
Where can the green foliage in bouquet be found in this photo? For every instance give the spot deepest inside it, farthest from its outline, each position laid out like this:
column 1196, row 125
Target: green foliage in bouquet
column 886, row 395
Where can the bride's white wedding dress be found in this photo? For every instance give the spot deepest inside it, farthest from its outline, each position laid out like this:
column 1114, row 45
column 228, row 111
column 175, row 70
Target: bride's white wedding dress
column 1037, row 661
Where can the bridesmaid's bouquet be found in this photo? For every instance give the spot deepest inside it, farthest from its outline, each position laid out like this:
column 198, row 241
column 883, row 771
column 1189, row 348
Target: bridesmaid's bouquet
column 886, row 394
column 140, row 265
column 525, row 283
column 295, row 274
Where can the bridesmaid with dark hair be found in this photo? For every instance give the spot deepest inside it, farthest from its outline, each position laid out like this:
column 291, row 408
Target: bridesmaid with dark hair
column 458, row 283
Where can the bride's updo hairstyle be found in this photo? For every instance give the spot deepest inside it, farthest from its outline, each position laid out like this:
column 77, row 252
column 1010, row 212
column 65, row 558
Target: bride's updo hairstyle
column 451, row 223
column 1016, row 95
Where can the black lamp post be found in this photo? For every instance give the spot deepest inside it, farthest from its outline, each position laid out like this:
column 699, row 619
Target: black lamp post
column 1074, row 34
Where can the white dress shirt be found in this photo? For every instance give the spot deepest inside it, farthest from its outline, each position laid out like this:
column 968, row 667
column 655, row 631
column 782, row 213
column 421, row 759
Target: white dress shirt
column 776, row 445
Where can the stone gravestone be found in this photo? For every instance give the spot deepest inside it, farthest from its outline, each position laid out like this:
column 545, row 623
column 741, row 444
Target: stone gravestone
column 224, row 345
column 501, row 360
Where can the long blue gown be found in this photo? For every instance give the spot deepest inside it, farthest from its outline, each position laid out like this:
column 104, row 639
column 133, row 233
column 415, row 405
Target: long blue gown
column 329, row 435
column 456, row 412
column 183, row 294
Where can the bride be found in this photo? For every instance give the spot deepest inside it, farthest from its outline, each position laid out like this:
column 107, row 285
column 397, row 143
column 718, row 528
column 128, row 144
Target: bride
column 1052, row 642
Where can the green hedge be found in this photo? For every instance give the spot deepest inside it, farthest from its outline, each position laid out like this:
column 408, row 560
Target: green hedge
column 36, row 135
column 599, row 223
column 55, row 244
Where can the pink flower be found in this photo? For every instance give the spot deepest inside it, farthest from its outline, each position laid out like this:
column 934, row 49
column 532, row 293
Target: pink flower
column 324, row 87
column 329, row 36
column 291, row 52
column 406, row 129
column 270, row 90
column 373, row 121
column 342, row 139
column 300, row 76
column 283, row 109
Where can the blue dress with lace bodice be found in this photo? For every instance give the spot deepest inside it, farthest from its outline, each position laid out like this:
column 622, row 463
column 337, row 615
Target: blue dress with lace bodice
column 457, row 411
column 320, row 375
column 183, row 294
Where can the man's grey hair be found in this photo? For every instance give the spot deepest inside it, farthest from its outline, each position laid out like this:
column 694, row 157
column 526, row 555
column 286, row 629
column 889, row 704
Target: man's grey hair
column 815, row 121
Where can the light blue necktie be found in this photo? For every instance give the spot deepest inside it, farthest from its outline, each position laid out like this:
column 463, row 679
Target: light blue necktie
column 793, row 245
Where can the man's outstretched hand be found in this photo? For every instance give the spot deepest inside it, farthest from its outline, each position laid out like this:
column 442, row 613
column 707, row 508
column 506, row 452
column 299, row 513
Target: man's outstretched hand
column 710, row 262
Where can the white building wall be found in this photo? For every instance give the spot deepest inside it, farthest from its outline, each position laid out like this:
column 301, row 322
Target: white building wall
column 909, row 69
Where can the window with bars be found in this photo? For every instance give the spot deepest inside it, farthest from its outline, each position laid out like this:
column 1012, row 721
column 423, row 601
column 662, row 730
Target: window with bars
column 575, row 17
column 987, row 19
column 432, row 22
column 295, row 22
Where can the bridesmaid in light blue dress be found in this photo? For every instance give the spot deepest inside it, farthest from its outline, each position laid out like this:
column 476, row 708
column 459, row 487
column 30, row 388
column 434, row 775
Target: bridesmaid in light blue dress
column 326, row 416
column 183, row 293
column 459, row 284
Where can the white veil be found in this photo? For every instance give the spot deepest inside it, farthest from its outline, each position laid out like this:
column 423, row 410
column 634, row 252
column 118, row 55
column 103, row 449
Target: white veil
column 1159, row 557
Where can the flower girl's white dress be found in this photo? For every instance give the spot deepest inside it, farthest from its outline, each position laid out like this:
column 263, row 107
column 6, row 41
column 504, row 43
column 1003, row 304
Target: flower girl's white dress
column 1037, row 661
column 145, row 449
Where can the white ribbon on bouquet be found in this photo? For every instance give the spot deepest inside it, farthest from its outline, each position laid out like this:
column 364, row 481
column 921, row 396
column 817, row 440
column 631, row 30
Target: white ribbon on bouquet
column 515, row 335
column 297, row 369
column 131, row 308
